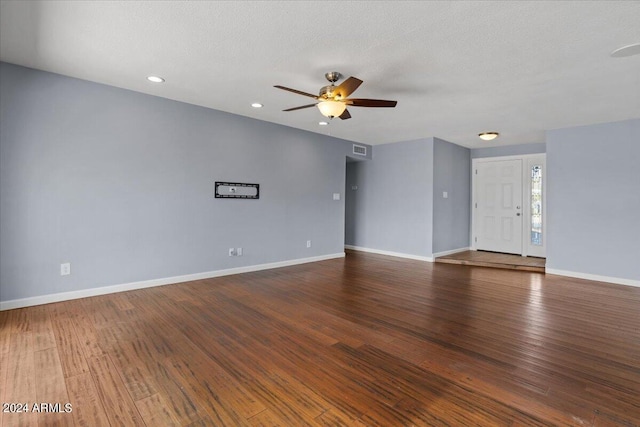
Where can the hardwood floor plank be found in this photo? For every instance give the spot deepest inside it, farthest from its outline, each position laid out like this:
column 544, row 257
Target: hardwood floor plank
column 285, row 317
column 451, row 398
column 51, row 389
column 289, row 396
column 178, row 399
column 120, row 409
column 202, row 373
column 71, row 356
column 88, row 409
column 155, row 411
column 122, row 302
column 266, row 419
column 149, row 354
column 86, row 333
column 20, row 320
column 101, row 310
column 20, row 380
column 329, row 381
column 504, row 382
column 5, row 338
column 217, row 406
column 43, row 336
column 4, row 365
column 611, row 420
column 140, row 383
column 205, row 421
column 333, row 418
column 5, row 331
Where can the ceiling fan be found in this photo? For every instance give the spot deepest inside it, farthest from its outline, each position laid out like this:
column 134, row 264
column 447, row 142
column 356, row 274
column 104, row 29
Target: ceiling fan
column 333, row 100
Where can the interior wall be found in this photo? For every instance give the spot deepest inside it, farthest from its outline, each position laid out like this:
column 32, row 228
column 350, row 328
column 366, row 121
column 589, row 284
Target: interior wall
column 121, row 185
column 593, row 199
column 509, row 150
column 451, row 215
column 391, row 210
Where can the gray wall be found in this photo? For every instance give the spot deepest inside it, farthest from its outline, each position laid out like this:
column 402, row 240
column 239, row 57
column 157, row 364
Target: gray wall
column 121, row 185
column 451, row 173
column 509, row 150
column 593, row 199
column 392, row 208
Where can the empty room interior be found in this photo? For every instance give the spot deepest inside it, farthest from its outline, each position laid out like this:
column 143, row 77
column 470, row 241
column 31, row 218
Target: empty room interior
column 319, row 213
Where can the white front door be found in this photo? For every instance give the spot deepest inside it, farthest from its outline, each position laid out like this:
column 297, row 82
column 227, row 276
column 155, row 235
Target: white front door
column 498, row 206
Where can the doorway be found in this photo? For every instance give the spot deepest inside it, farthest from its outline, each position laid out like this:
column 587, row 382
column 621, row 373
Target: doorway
column 508, row 206
column 353, row 176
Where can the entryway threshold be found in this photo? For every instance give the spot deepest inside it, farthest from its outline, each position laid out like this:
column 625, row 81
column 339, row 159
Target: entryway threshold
column 495, row 260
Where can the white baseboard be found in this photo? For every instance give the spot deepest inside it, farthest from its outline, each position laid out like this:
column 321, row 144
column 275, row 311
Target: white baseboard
column 609, row 279
column 84, row 293
column 389, row 253
column 452, row 251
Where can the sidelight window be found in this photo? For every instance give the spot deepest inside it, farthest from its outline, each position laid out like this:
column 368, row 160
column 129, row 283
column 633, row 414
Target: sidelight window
column 536, row 205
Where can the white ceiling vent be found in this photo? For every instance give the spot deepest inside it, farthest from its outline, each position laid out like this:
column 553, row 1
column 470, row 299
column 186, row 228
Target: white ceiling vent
column 360, row 150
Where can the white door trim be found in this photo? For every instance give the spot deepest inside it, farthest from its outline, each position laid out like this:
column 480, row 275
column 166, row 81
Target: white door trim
column 526, row 195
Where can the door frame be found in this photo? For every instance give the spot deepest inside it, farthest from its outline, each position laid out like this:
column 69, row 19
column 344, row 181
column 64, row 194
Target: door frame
column 526, row 198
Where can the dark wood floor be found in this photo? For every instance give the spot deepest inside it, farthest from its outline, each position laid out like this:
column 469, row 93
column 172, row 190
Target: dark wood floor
column 367, row 340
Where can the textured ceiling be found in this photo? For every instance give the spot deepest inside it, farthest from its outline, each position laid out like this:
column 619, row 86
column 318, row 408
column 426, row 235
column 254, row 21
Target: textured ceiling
column 455, row 68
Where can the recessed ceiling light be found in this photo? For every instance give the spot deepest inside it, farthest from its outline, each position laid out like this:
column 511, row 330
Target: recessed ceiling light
column 256, row 105
column 155, row 79
column 488, row 136
column 629, row 50
column 323, row 123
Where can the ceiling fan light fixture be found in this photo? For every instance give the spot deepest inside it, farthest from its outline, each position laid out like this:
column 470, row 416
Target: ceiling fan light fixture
column 488, row 136
column 332, row 100
column 332, row 108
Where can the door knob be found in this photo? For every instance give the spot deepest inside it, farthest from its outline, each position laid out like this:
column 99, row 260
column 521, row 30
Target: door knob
column 518, row 214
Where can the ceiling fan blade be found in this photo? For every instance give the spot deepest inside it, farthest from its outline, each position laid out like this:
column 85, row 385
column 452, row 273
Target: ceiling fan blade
column 300, row 108
column 347, row 87
column 299, row 92
column 370, row 102
column 345, row 115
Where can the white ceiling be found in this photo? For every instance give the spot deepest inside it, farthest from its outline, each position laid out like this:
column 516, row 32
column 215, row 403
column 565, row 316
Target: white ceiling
column 455, row 68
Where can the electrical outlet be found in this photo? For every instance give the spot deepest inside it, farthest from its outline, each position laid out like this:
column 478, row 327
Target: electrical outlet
column 65, row 269
column 232, row 251
column 308, row 243
column 239, row 252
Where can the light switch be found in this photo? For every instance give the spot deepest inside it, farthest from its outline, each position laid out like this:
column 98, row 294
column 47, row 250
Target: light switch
column 445, row 195
column 336, row 196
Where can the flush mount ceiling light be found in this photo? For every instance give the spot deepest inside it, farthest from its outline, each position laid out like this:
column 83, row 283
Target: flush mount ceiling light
column 629, row 50
column 256, row 105
column 332, row 109
column 155, row 79
column 488, row 136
